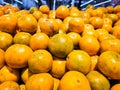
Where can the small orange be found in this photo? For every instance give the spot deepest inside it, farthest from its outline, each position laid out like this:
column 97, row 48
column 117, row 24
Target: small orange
column 37, row 14
column 58, row 68
column 52, row 14
column 41, row 81
column 2, row 58
column 33, row 9
column 74, row 12
column 110, row 9
column 7, row 73
column 56, row 83
column 62, row 12
column 76, row 24
column 89, row 44
column 116, row 31
column 78, row 60
column 40, row 61
column 22, row 87
column 44, row 9
column 117, row 8
column 113, row 16
column 9, row 85
column 98, row 12
column 115, row 87
column 39, row 40
column 74, row 80
column 117, row 23
column 107, row 27
column 107, row 20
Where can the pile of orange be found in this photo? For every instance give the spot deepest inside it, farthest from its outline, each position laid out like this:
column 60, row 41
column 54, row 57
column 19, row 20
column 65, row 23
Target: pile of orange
column 62, row 49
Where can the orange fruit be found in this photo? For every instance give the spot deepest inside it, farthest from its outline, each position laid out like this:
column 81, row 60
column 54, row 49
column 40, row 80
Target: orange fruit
column 22, row 38
column 52, row 14
column 107, row 27
column 88, row 30
column 108, row 64
column 116, row 31
column 37, row 14
column 22, row 86
column 98, row 81
column 9, row 85
column 75, row 37
column 58, row 68
column 27, row 23
column 113, row 16
column 98, row 12
column 48, row 26
column 8, row 23
column 6, row 40
column 115, row 87
column 33, row 9
column 41, row 81
column 94, row 60
column 107, row 20
column 2, row 58
column 110, row 9
column 74, row 80
column 44, row 9
column 117, row 23
column 60, row 45
column 56, row 83
column 76, row 24
column 74, row 12
column 16, row 56
column 111, row 44
column 40, row 61
column 117, row 8
column 89, row 44
column 97, row 22
column 39, row 41
column 7, row 73
column 78, row 60
column 25, row 74
column 62, row 12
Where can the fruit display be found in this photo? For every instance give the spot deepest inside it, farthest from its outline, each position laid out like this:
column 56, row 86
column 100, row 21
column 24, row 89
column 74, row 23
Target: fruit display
column 62, row 49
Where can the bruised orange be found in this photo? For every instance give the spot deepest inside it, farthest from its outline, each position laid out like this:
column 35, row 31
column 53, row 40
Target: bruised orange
column 74, row 80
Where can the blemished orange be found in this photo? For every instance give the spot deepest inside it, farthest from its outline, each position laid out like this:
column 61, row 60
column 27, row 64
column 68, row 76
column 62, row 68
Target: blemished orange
column 39, row 41
column 41, row 81
column 16, row 56
column 90, row 44
column 115, row 87
column 8, row 74
column 58, row 68
column 9, row 85
column 110, row 44
column 56, row 83
column 74, row 80
column 2, row 58
column 62, row 12
column 94, row 60
column 40, row 61
column 44, row 9
column 78, row 60
column 76, row 24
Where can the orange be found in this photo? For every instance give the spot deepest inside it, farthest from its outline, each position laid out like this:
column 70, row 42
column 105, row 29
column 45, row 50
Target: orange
column 37, row 14
column 74, row 80
column 113, row 16
column 88, row 30
column 98, row 12
column 27, row 23
column 78, row 60
column 117, row 8
column 48, row 26
column 111, row 44
column 56, row 83
column 22, row 87
column 8, row 23
column 107, row 27
column 9, row 85
column 7, row 73
column 60, row 45
column 22, row 38
column 94, row 60
column 98, row 81
column 108, row 64
column 110, row 9
column 52, row 14
column 16, row 56
column 117, row 23
column 33, row 9
column 116, row 31
column 76, row 24
column 58, row 68
column 25, row 74
column 115, row 87
column 89, row 44
column 62, row 12
column 97, row 22
column 41, row 81
column 6, row 40
column 107, row 20
column 74, row 12
column 39, row 40
column 2, row 58
column 75, row 37
column 44, row 9
column 40, row 61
